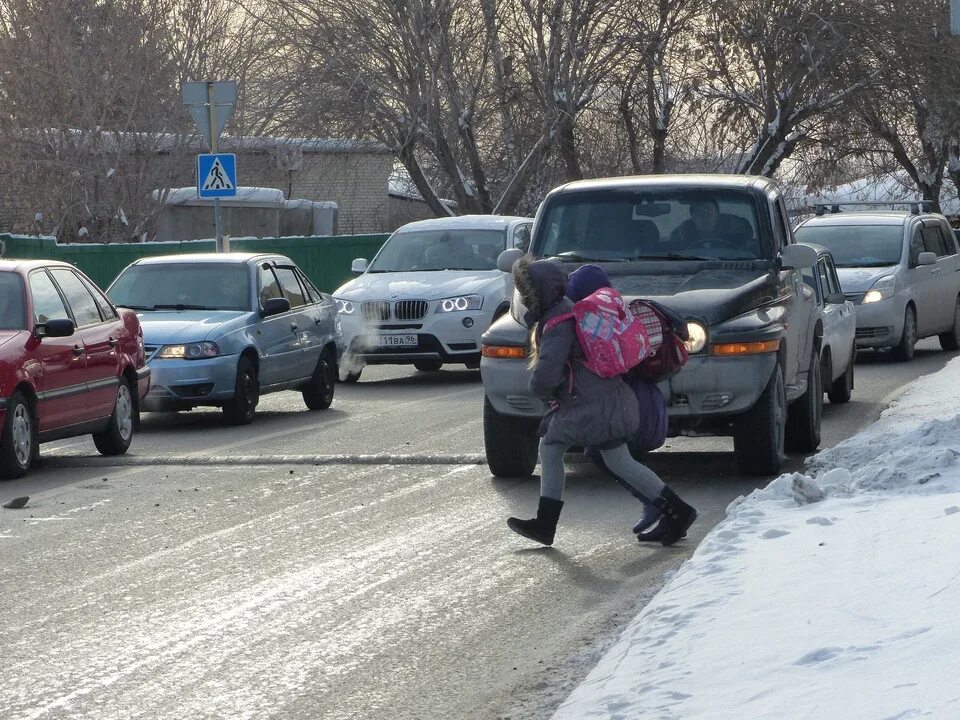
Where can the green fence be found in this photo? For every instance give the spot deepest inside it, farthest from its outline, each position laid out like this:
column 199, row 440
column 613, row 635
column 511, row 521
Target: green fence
column 326, row 260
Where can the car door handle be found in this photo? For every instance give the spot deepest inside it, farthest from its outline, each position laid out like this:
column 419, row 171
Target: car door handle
column 112, row 342
column 77, row 350
column 936, row 271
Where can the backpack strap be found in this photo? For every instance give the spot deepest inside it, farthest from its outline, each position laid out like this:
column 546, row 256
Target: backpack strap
column 554, row 321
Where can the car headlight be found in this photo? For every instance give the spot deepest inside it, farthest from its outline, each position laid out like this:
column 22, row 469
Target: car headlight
column 190, row 351
column 460, row 304
column 697, row 337
column 882, row 289
column 345, row 307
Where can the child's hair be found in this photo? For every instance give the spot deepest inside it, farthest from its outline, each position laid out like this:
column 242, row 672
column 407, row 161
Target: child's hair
column 534, row 346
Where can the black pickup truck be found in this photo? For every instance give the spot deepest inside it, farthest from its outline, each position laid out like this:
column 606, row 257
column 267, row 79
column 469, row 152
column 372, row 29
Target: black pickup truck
column 719, row 251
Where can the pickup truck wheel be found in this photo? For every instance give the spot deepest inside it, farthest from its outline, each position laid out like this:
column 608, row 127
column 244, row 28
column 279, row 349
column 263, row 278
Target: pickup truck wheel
column 18, row 441
column 951, row 340
column 511, row 443
column 116, row 439
column 904, row 351
column 842, row 388
column 805, row 414
column 758, row 434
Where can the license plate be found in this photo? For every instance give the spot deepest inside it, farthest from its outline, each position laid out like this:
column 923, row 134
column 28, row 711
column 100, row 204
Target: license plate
column 397, row 340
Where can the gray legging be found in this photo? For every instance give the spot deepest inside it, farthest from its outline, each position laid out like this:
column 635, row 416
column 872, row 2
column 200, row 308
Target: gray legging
column 618, row 459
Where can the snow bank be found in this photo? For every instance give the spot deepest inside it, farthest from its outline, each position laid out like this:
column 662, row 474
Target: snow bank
column 829, row 594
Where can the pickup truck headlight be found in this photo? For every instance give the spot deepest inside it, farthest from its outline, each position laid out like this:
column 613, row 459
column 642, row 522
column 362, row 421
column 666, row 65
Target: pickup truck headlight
column 462, row 303
column 189, row 351
column 697, row 337
column 345, row 307
column 882, row 289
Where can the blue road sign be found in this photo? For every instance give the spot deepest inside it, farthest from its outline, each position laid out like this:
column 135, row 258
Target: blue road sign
column 217, row 175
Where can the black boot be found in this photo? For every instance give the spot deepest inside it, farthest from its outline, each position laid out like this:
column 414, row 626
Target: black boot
column 677, row 516
column 543, row 527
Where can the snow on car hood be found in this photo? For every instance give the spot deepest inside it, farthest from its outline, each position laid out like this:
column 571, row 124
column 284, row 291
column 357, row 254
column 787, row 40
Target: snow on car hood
column 419, row 285
column 857, row 280
column 163, row 328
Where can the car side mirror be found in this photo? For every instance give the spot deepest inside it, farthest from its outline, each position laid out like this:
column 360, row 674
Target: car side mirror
column 507, row 258
column 835, row 299
column 276, row 306
column 927, row 258
column 359, row 266
column 798, row 255
column 62, row 327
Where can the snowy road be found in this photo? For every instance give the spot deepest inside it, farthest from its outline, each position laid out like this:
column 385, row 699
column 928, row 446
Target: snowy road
column 341, row 591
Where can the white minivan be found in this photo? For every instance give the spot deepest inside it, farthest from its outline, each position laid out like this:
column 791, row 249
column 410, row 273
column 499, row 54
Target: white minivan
column 429, row 294
column 900, row 269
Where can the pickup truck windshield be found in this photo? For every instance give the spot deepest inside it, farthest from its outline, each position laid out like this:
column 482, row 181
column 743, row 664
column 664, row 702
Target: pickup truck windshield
column 611, row 226
column 423, row 250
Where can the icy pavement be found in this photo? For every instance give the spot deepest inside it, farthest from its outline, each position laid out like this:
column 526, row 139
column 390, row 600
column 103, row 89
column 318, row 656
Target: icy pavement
column 831, row 594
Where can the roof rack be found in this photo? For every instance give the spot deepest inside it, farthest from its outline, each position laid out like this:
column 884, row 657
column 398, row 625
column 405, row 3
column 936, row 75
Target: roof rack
column 916, row 206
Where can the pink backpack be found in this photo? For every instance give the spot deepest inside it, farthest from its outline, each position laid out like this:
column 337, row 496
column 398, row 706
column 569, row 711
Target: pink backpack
column 613, row 339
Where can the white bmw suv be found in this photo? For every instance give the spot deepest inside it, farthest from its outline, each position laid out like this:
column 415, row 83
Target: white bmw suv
column 429, row 294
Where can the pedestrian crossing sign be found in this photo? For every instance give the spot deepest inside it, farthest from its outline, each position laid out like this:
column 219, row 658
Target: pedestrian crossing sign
column 217, row 175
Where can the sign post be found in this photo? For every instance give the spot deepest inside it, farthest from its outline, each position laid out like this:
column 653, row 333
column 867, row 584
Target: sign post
column 211, row 104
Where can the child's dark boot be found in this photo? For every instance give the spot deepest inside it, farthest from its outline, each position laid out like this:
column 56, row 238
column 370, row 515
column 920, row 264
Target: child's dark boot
column 543, row 527
column 677, row 517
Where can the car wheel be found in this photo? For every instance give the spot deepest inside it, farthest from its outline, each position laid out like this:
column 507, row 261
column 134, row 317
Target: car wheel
column 758, row 434
column 18, row 440
column 428, row 365
column 842, row 388
column 904, row 351
column 240, row 408
column 116, row 439
column 805, row 414
column 318, row 394
column 951, row 340
column 511, row 443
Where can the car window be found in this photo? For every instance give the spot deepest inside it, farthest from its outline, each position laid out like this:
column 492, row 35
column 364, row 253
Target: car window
column 825, row 283
column 933, row 241
column 948, row 240
column 183, row 286
column 47, row 303
column 521, row 237
column 81, row 302
column 782, row 231
column 916, row 246
column 856, row 245
column 106, row 310
column 11, row 301
column 434, row 250
column 627, row 224
column 291, row 286
column 811, row 279
column 315, row 296
column 834, row 278
column 269, row 285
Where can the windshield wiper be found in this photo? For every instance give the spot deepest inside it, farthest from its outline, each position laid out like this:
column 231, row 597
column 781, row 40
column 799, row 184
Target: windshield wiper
column 676, row 256
column 572, row 257
column 133, row 307
column 181, row 306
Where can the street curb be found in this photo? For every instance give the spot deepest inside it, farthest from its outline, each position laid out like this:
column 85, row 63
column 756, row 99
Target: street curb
column 249, row 460
column 69, row 461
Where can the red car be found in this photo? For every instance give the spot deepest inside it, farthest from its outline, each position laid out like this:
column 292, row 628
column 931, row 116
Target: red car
column 70, row 363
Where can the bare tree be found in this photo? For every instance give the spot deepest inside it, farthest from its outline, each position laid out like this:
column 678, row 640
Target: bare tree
column 775, row 68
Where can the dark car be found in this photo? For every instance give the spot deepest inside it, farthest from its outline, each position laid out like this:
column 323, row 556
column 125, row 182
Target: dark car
column 70, row 363
column 717, row 250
